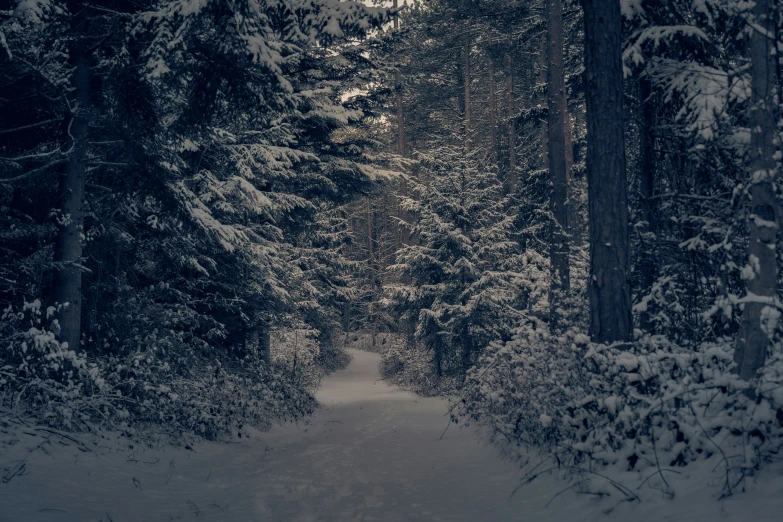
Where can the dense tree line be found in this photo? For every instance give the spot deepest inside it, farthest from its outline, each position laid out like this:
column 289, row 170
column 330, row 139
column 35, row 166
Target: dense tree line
column 636, row 145
column 567, row 210
column 167, row 175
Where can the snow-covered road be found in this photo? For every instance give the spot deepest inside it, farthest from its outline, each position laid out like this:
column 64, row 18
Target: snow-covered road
column 371, row 453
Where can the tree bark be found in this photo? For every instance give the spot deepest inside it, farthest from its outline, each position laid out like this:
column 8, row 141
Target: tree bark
column 569, row 142
column 493, row 122
column 67, row 284
column 647, row 264
column 560, row 283
column 753, row 338
column 466, row 82
column 609, row 287
column 438, row 359
column 404, row 236
column 265, row 345
column 371, row 261
column 467, row 349
column 512, row 131
column 346, row 319
column 543, row 72
column 400, row 121
column 398, row 89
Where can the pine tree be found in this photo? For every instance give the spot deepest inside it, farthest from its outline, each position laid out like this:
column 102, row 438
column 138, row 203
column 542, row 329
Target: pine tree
column 459, row 278
column 193, row 185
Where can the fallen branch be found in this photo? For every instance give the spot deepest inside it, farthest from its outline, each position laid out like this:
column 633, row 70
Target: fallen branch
column 63, row 435
column 564, row 490
column 17, row 470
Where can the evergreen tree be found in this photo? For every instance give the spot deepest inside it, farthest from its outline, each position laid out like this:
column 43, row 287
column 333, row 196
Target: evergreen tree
column 188, row 206
column 458, row 277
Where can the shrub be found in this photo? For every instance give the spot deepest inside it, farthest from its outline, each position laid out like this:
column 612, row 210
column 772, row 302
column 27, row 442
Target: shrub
column 144, row 384
column 411, row 367
column 644, row 407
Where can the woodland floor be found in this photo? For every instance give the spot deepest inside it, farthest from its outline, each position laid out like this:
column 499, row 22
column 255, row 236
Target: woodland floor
column 371, row 453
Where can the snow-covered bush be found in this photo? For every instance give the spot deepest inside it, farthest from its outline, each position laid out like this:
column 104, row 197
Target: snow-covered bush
column 332, row 358
column 300, row 354
column 645, row 407
column 156, row 379
column 410, row 366
column 39, row 373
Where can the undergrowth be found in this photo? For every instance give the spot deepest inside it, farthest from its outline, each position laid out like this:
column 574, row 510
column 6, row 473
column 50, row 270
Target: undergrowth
column 159, row 380
column 649, row 407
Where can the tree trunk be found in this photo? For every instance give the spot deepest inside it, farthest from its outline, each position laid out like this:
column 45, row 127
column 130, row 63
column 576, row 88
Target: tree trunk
column 466, row 81
column 569, row 143
column 467, row 349
column 512, row 131
column 493, row 120
column 346, row 317
column 398, row 89
column 647, row 264
column 560, row 283
column 404, row 236
column 265, row 345
column 753, row 338
column 543, row 72
column 438, row 359
column 609, row 287
column 67, row 285
column 371, row 264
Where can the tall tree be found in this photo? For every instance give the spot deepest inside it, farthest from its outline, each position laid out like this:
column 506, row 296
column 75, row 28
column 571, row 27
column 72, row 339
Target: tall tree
column 761, row 271
column 460, row 285
column 609, row 288
column 212, row 200
column 466, row 85
column 400, row 117
column 493, row 119
column 70, row 219
column 510, row 113
column 558, row 163
column 398, row 99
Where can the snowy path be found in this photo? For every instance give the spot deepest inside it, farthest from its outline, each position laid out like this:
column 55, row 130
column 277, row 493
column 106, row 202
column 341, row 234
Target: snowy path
column 371, row 453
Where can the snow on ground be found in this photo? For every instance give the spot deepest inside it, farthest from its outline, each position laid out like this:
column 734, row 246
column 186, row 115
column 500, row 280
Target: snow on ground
column 371, row 453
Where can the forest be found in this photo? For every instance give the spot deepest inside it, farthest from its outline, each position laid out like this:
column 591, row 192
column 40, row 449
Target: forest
column 555, row 222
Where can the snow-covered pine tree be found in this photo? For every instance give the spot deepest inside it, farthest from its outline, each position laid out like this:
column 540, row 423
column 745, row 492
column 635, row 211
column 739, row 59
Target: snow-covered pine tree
column 252, row 107
column 694, row 137
column 458, row 278
column 203, row 166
